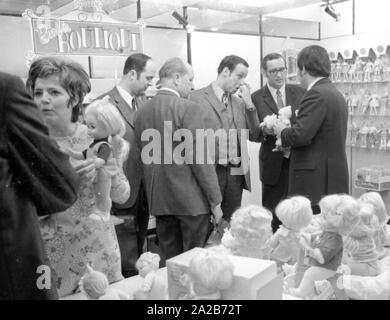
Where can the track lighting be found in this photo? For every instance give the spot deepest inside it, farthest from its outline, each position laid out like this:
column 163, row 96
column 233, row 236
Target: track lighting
column 329, row 10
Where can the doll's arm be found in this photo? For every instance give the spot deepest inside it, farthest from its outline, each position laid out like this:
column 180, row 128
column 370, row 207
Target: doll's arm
column 148, row 282
column 351, row 245
column 75, row 154
column 274, row 240
column 102, row 154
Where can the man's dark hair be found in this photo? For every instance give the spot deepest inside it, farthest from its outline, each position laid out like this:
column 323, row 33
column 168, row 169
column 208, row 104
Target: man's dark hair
column 316, row 61
column 136, row 62
column 231, row 62
column 269, row 57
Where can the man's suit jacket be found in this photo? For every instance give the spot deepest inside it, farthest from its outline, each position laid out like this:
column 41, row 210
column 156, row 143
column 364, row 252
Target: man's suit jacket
column 175, row 188
column 133, row 166
column 271, row 162
column 318, row 164
column 211, row 109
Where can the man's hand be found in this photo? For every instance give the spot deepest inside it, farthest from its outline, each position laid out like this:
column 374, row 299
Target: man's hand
column 245, row 94
column 217, row 213
column 267, row 131
column 86, row 171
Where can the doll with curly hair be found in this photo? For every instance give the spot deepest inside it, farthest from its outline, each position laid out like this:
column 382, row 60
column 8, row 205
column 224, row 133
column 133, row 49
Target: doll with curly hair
column 324, row 251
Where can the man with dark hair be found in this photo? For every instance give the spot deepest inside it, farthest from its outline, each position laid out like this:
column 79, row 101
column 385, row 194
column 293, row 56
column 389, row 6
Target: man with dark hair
column 227, row 116
column 138, row 73
column 181, row 192
column 318, row 164
column 268, row 100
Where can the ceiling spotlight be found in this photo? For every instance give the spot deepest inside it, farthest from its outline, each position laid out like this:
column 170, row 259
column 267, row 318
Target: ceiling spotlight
column 329, row 10
column 180, row 19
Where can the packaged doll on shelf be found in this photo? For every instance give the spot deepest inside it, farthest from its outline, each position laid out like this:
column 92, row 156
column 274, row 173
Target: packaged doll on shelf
column 374, row 104
column 359, row 244
column 324, row 251
column 363, row 133
column 377, row 69
column 344, row 71
column 384, row 104
column 295, row 214
column 381, row 236
column 94, row 285
column 359, row 69
column 153, row 286
column 354, row 134
column 365, row 102
column 354, row 102
column 368, row 71
column 372, row 137
column 249, row 233
column 210, row 271
column 383, row 137
column 108, row 149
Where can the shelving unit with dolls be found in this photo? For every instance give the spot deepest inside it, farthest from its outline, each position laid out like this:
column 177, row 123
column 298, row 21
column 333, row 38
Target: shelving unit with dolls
column 365, row 83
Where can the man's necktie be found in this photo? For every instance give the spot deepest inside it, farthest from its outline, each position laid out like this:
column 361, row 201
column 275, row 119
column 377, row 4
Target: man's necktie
column 279, row 99
column 134, row 103
column 225, row 99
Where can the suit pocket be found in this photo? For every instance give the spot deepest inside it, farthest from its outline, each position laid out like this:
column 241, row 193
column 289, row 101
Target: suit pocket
column 309, row 165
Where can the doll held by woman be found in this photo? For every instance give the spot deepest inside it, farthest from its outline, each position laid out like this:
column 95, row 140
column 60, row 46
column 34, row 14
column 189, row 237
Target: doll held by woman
column 108, row 149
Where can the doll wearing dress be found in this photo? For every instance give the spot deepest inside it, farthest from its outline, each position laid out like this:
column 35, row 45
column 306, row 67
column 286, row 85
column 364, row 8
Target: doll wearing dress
column 295, row 214
column 324, row 251
column 108, row 149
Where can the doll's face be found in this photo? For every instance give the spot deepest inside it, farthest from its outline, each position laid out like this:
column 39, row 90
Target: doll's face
column 145, row 268
column 96, row 128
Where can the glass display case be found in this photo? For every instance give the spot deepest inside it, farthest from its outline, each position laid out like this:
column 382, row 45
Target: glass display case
column 365, row 84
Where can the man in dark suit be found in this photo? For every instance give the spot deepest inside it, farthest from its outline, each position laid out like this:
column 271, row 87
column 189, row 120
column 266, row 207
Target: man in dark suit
column 268, row 100
column 229, row 117
column 138, row 73
column 181, row 191
column 318, row 164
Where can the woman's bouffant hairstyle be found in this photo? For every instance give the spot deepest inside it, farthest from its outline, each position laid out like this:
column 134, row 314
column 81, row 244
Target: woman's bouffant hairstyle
column 71, row 76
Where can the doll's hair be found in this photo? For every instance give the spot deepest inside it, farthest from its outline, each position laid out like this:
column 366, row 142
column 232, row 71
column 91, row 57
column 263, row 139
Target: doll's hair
column 295, row 213
column 368, row 221
column 109, row 115
column 211, row 269
column 341, row 211
column 94, row 283
column 250, row 231
column 150, row 258
column 376, row 200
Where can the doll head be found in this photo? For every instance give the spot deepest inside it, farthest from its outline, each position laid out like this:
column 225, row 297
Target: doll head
column 93, row 284
column 147, row 263
column 295, row 213
column 249, row 233
column 340, row 213
column 210, row 271
column 285, row 113
column 376, row 200
column 368, row 222
column 103, row 119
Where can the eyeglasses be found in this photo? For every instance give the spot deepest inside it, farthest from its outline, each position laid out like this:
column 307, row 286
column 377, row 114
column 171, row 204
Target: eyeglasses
column 274, row 72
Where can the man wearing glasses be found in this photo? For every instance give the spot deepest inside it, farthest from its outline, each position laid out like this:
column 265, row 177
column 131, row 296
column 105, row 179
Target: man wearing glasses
column 274, row 166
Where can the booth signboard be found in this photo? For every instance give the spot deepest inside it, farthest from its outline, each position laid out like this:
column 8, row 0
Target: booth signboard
column 52, row 36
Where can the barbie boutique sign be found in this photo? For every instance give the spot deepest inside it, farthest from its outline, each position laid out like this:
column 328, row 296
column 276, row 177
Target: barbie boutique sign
column 52, row 36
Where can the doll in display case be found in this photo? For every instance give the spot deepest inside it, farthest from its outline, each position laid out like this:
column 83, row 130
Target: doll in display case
column 352, row 72
column 354, row 134
column 383, row 137
column 338, row 71
column 374, row 104
column 365, row 101
column 359, row 67
column 363, row 132
column 368, row 71
column 385, row 68
column 344, row 71
column 384, row 102
column 332, row 71
column 372, row 137
column 377, row 69
column 354, row 102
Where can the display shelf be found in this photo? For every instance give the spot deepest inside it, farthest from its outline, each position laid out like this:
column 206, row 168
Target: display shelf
column 370, row 115
column 361, row 82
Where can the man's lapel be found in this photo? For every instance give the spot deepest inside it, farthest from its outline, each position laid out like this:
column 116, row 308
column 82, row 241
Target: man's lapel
column 269, row 100
column 126, row 111
column 212, row 99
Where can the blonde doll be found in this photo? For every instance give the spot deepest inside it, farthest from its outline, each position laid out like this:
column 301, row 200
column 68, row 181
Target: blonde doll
column 340, row 213
column 249, row 233
column 381, row 235
column 295, row 214
column 108, row 149
column 362, row 257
